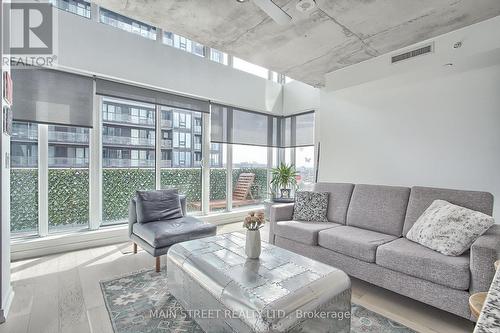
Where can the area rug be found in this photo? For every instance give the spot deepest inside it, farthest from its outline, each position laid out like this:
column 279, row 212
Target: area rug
column 140, row 302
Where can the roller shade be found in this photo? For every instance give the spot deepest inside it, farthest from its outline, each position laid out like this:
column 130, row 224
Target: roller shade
column 52, row 97
column 298, row 130
column 138, row 94
column 237, row 126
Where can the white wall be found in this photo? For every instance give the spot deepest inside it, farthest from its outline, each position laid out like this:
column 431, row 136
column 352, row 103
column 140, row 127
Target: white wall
column 299, row 97
column 441, row 130
column 91, row 47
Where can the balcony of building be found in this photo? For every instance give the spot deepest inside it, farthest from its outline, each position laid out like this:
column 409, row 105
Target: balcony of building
column 166, row 144
column 197, row 129
column 68, row 162
column 68, row 137
column 24, row 161
column 197, row 146
column 24, row 135
column 166, row 124
column 127, row 163
column 124, row 119
column 127, row 141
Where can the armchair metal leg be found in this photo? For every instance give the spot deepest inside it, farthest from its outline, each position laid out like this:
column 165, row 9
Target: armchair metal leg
column 135, row 248
column 157, row 264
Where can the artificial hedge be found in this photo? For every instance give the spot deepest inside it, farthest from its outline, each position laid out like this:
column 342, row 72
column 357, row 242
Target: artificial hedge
column 69, row 191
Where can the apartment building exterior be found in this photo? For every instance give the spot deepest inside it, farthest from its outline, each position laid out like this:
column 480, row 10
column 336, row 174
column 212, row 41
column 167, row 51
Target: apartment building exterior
column 128, row 139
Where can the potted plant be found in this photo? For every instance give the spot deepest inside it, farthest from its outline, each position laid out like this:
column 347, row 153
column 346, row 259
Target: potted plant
column 253, row 222
column 284, row 179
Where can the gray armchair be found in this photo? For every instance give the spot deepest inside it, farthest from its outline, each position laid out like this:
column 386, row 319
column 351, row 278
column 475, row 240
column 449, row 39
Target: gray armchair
column 156, row 237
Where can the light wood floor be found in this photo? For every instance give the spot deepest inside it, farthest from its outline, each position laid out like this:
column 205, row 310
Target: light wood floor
column 61, row 293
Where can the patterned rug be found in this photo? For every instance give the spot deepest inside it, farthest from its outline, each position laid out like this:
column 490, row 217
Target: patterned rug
column 140, row 302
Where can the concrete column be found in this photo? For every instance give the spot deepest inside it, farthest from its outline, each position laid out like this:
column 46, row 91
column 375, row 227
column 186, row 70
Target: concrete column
column 94, row 12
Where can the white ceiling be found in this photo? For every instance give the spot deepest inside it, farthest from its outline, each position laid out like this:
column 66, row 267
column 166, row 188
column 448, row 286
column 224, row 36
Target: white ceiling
column 334, row 35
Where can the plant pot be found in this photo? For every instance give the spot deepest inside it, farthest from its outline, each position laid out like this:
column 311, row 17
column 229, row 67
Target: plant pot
column 252, row 245
column 285, row 193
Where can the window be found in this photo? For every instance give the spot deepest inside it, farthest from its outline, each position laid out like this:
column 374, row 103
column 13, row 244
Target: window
column 183, row 43
column 249, row 175
column 128, row 155
column 250, row 68
column 24, row 179
column 304, row 164
column 180, row 165
column 68, row 165
column 218, row 56
column 124, row 23
column 66, row 171
column 78, row 7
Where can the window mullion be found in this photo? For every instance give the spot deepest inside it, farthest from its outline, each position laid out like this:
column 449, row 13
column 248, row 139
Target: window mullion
column 95, row 166
column 205, row 163
column 158, row 159
column 229, row 177
column 269, row 167
column 43, row 180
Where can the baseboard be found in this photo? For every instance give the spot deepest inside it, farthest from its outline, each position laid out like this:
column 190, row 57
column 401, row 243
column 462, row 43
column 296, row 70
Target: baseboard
column 4, row 312
column 33, row 247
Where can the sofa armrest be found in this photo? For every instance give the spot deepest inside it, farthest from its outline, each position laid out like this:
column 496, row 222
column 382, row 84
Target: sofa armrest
column 132, row 216
column 483, row 254
column 182, row 198
column 279, row 213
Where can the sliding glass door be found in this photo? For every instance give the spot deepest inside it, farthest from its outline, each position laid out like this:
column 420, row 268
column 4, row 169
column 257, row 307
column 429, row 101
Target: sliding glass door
column 181, row 153
column 24, row 179
column 128, row 155
column 68, row 179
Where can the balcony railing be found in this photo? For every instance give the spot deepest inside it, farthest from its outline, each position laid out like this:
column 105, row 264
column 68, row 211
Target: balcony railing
column 68, row 137
column 126, row 163
column 128, row 141
column 165, row 123
column 31, row 135
column 69, row 162
column 166, row 144
column 126, row 118
column 197, row 129
column 23, row 161
column 197, row 146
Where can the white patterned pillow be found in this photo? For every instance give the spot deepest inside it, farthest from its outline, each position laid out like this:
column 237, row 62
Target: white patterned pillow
column 310, row 206
column 448, row 228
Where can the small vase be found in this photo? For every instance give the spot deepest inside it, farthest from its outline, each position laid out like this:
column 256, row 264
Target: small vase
column 285, row 193
column 252, row 246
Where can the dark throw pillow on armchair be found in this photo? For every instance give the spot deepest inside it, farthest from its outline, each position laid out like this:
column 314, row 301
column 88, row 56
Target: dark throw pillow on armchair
column 158, row 205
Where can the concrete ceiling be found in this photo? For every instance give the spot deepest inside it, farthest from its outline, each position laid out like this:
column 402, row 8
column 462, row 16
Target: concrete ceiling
column 334, row 35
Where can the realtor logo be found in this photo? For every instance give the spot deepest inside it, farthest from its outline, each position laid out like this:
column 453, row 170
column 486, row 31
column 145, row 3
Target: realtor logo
column 29, row 35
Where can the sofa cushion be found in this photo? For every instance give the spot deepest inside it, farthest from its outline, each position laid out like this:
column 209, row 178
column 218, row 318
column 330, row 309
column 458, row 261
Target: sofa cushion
column 354, row 242
column 165, row 233
column 378, row 208
column 405, row 256
column 302, row 232
column 310, row 206
column 422, row 197
column 338, row 199
column 158, row 205
column 448, row 228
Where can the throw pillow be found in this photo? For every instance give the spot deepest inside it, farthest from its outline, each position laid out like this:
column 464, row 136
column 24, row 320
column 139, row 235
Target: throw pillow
column 448, row 228
column 158, row 205
column 310, row 206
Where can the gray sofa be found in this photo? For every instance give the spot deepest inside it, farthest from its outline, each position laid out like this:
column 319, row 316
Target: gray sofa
column 365, row 237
